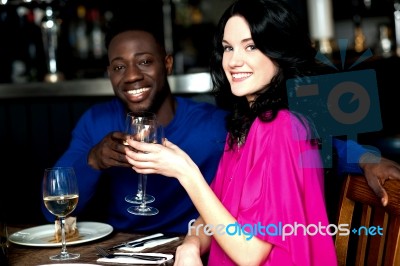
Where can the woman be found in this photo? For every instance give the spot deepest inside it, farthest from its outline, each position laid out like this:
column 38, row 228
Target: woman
column 268, row 189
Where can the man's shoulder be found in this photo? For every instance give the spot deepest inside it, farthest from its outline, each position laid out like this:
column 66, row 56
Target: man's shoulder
column 109, row 106
column 189, row 106
column 103, row 111
column 200, row 117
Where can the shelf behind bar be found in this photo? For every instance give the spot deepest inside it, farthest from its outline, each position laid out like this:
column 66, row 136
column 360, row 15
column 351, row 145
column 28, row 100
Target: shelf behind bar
column 180, row 84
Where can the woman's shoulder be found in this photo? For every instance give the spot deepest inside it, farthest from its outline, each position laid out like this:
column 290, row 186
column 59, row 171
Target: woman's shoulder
column 286, row 121
column 284, row 117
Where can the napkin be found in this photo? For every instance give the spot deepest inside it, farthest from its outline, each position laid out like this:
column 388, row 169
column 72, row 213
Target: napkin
column 129, row 260
column 150, row 244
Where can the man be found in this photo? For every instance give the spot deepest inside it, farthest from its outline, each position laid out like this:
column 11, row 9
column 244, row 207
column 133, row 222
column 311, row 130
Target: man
column 138, row 69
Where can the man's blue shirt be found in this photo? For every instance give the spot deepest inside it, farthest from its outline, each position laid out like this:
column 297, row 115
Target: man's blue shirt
column 198, row 129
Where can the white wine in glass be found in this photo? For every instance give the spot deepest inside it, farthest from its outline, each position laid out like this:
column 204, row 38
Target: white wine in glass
column 60, row 196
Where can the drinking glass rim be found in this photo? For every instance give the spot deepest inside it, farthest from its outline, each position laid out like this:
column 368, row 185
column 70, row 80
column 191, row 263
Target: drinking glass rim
column 141, row 113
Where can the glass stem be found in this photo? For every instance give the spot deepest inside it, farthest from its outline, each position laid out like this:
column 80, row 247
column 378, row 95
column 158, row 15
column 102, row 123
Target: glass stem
column 64, row 252
column 139, row 193
column 144, row 182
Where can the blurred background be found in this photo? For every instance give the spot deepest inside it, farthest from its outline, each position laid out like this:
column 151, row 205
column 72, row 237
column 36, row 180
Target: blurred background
column 188, row 26
column 80, row 51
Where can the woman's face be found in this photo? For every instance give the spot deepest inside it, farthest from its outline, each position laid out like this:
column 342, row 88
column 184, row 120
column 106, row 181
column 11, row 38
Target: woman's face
column 247, row 68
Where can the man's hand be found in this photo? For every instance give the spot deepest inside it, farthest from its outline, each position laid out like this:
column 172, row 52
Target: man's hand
column 377, row 170
column 110, row 151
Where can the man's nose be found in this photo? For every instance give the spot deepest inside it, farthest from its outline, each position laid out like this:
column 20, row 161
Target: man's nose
column 133, row 73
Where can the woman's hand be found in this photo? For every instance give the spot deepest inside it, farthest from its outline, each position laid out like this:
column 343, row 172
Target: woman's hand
column 189, row 252
column 167, row 159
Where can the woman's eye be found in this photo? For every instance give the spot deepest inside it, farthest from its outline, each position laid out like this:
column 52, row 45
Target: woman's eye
column 251, row 47
column 227, row 48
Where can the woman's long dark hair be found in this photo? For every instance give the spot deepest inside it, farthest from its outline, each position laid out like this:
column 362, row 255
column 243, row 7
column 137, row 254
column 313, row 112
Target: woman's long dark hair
column 278, row 33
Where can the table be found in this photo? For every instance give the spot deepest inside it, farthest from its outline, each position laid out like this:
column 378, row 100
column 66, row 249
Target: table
column 26, row 255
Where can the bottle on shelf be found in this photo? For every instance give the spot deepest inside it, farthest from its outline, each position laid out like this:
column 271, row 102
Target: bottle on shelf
column 78, row 34
column 50, row 32
column 96, row 34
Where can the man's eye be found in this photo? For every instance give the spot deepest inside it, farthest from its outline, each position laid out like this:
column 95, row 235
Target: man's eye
column 145, row 62
column 117, row 68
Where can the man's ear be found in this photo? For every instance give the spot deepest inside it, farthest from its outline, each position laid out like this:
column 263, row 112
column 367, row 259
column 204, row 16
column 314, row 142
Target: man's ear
column 169, row 63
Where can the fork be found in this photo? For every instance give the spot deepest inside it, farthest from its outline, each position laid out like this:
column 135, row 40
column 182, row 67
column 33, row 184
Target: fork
column 109, row 255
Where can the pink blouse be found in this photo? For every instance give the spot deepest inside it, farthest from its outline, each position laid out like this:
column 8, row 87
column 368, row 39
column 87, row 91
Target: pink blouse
column 275, row 181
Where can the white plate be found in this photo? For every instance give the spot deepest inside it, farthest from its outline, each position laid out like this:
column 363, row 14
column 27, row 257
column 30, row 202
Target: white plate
column 43, row 235
column 70, row 264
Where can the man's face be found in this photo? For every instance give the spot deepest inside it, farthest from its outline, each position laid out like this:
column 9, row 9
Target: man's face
column 138, row 69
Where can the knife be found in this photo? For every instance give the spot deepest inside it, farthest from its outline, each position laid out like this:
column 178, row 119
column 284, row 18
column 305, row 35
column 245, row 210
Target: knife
column 143, row 242
column 140, row 256
column 140, row 240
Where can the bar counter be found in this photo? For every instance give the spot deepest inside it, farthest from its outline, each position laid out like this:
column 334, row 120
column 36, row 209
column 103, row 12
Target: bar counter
column 194, row 83
column 20, row 255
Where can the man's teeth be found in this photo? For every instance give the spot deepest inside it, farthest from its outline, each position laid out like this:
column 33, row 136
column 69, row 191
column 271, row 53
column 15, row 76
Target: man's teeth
column 138, row 91
column 241, row 75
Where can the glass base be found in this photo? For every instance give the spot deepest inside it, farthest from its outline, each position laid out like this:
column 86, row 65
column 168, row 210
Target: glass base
column 67, row 256
column 143, row 210
column 135, row 199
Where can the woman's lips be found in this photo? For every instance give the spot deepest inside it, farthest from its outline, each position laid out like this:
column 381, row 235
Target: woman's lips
column 240, row 76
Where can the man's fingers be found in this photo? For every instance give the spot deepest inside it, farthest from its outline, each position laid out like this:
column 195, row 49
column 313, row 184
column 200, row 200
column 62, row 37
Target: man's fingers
column 394, row 173
column 378, row 189
column 384, row 198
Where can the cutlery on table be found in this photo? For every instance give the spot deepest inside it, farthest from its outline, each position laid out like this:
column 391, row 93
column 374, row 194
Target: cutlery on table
column 109, row 255
column 145, row 241
column 139, row 242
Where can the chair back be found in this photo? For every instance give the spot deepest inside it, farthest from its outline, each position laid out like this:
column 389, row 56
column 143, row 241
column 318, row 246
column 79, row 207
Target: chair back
column 374, row 230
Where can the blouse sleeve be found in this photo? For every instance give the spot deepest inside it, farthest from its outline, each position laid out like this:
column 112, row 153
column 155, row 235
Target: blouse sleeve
column 284, row 187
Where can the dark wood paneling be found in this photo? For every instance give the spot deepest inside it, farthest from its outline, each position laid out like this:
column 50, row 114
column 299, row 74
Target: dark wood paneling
column 34, row 132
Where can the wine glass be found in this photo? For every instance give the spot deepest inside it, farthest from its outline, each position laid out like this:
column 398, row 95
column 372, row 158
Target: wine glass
column 60, row 196
column 143, row 128
column 132, row 118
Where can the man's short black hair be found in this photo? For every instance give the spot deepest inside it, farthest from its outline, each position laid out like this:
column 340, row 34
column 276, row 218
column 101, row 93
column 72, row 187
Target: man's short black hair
column 144, row 15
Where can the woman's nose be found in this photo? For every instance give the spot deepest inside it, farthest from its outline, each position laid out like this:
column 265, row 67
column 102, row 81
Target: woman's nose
column 236, row 59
